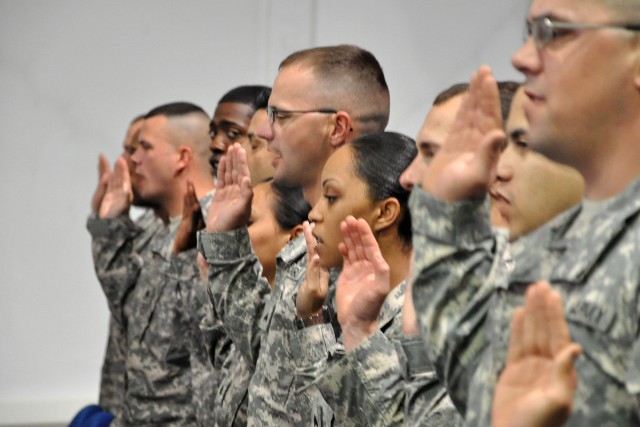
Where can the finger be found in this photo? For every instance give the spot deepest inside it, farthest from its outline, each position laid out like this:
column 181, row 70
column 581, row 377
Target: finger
column 529, row 332
column 357, row 239
column 126, row 177
column 344, row 251
column 564, row 371
column 243, row 164
column 370, row 246
column 103, row 166
column 222, row 172
column 348, row 239
column 517, row 348
column 308, row 237
column 558, row 327
column 228, row 175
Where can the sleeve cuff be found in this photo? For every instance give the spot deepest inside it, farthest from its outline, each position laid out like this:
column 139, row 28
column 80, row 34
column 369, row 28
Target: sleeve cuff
column 225, row 245
column 462, row 223
column 313, row 344
column 107, row 227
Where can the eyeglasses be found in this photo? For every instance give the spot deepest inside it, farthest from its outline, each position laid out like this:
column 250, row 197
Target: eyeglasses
column 273, row 113
column 545, row 31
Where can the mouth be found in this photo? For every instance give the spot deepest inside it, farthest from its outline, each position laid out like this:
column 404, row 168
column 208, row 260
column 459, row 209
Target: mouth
column 318, row 239
column 276, row 160
column 498, row 197
column 533, row 97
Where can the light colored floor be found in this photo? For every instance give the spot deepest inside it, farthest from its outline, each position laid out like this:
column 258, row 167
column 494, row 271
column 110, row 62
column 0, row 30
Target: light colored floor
column 32, row 425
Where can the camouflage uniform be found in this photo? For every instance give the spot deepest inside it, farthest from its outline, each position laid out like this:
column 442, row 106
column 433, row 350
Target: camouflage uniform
column 104, row 251
column 261, row 328
column 465, row 295
column 364, row 387
column 427, row 403
column 160, row 301
column 232, row 395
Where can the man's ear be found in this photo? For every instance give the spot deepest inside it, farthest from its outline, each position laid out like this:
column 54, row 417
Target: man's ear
column 185, row 156
column 295, row 232
column 341, row 130
column 387, row 213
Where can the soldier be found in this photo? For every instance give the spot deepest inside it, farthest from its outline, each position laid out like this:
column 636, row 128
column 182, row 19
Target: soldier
column 465, row 293
column 321, row 99
column 152, row 296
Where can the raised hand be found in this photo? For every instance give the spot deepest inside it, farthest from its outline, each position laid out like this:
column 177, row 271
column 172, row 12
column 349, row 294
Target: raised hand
column 466, row 164
column 314, row 289
column 192, row 221
column 231, row 204
column 104, row 172
column 537, row 385
column 117, row 199
column 363, row 284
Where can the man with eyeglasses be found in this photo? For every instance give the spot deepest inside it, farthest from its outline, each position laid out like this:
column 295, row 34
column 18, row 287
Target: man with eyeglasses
column 322, row 98
column 231, row 118
column 581, row 64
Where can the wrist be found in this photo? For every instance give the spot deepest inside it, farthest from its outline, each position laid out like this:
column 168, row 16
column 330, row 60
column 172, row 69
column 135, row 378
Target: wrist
column 322, row 316
column 354, row 333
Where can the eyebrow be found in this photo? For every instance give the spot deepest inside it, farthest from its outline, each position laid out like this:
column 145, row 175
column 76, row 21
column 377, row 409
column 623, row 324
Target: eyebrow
column 226, row 123
column 328, row 180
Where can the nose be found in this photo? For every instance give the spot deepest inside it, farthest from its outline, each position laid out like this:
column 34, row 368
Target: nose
column 219, row 145
column 527, row 58
column 504, row 170
column 135, row 157
column 407, row 178
column 265, row 131
column 315, row 214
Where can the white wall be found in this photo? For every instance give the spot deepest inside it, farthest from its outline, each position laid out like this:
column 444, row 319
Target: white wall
column 73, row 73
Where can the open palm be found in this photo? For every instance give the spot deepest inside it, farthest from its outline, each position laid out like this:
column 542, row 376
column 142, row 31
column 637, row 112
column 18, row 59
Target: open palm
column 231, row 204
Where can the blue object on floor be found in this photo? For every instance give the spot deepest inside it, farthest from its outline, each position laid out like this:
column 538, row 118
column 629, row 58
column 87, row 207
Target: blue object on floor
column 92, row 416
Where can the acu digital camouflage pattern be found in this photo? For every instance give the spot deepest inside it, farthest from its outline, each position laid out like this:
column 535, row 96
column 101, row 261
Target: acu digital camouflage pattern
column 464, row 297
column 261, row 328
column 370, row 386
column 426, row 401
column 160, row 302
column 363, row 387
column 104, row 250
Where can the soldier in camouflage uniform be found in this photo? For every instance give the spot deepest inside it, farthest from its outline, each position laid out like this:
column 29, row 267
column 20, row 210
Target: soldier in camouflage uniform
column 361, row 388
column 465, row 292
column 158, row 298
column 341, row 88
column 112, row 374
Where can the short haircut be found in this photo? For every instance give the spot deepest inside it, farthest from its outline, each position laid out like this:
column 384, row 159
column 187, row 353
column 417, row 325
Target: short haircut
column 450, row 92
column 352, row 79
column 289, row 206
column 255, row 96
column 136, row 119
column 379, row 160
column 175, row 109
column 507, row 90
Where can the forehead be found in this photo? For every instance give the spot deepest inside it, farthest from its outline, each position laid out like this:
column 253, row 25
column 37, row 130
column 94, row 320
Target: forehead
column 259, row 117
column 294, row 85
column 339, row 164
column 233, row 112
column 156, row 125
column 570, row 10
column 440, row 119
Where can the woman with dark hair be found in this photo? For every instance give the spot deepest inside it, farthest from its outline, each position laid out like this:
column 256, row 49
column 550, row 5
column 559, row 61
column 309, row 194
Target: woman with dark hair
column 360, row 180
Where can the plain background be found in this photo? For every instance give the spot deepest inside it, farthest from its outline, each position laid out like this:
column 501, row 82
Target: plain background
column 74, row 72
